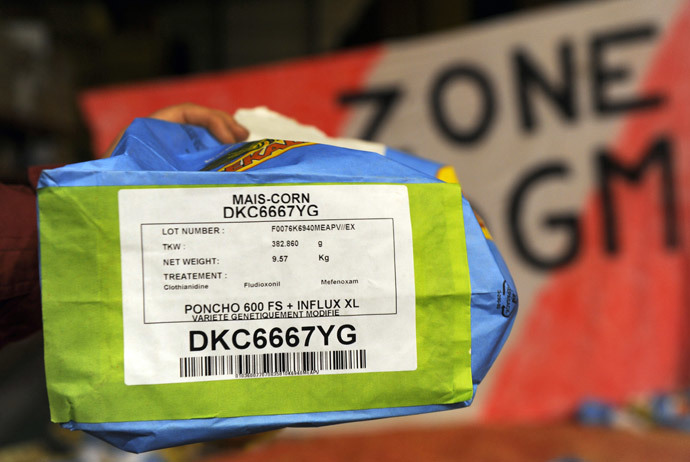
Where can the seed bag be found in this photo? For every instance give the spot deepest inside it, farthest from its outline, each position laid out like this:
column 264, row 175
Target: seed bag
column 195, row 291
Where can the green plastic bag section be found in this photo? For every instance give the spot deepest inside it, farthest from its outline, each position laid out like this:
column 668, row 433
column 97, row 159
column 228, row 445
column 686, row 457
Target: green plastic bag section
column 83, row 332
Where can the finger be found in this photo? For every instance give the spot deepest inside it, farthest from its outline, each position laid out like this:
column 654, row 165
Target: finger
column 221, row 124
column 108, row 152
column 174, row 113
column 238, row 130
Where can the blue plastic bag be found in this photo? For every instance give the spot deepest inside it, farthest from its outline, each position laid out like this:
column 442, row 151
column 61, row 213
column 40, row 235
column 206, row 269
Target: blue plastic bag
column 154, row 152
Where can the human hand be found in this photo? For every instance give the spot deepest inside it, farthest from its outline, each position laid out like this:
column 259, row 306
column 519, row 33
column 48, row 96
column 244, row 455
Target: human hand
column 219, row 123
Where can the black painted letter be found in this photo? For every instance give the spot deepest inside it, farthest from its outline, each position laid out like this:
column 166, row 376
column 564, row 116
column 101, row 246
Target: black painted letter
column 660, row 154
column 473, row 76
column 569, row 222
column 604, row 76
column 385, row 100
column 530, row 77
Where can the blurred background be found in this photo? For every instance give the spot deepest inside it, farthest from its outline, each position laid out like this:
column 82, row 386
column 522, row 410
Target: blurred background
column 568, row 123
column 51, row 51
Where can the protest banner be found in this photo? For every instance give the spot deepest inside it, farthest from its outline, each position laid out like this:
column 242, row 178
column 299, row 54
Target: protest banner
column 569, row 129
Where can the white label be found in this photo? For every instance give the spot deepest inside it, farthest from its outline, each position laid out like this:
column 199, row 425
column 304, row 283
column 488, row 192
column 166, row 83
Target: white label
column 242, row 282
